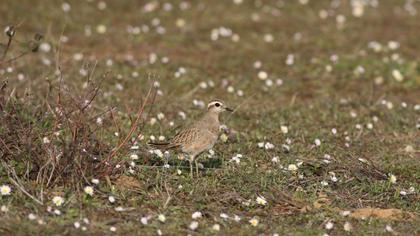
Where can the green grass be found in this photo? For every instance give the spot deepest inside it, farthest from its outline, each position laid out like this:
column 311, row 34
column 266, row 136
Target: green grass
column 310, row 102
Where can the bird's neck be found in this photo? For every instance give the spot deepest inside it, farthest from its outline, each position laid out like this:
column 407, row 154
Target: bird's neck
column 211, row 121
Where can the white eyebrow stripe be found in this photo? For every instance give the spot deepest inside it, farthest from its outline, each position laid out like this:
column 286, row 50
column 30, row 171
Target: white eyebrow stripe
column 212, row 104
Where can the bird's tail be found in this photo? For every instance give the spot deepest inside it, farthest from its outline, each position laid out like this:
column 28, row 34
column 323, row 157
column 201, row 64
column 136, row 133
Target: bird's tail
column 163, row 146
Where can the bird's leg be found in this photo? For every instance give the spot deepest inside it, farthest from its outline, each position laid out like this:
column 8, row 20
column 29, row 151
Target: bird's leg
column 191, row 169
column 191, row 159
column 196, row 166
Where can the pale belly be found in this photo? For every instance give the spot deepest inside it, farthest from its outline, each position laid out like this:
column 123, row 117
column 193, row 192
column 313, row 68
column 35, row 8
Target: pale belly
column 201, row 144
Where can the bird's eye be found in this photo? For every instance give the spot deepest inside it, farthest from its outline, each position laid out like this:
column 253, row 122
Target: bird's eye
column 217, row 104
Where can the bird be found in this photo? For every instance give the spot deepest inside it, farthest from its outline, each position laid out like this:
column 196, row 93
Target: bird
column 200, row 136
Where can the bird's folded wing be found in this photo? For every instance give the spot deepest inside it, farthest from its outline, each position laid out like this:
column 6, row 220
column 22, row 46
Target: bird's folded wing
column 186, row 136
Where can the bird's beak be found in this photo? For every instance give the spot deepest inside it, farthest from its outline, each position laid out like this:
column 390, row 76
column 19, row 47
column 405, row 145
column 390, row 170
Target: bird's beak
column 228, row 109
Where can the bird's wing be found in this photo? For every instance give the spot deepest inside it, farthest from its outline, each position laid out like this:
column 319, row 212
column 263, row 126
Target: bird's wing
column 186, row 136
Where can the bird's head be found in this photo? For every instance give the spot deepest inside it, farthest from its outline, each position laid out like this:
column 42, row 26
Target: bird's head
column 217, row 106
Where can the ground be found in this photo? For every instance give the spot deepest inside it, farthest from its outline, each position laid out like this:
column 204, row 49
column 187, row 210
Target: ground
column 324, row 138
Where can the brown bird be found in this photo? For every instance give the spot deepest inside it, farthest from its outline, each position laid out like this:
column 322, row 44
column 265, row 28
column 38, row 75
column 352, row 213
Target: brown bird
column 200, row 136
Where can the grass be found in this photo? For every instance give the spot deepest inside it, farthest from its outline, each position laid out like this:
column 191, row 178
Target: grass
column 117, row 68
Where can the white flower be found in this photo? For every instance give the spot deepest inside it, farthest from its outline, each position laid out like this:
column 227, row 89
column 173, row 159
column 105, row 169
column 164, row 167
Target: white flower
column 268, row 38
column 392, row 178
column 324, row 183
column 397, row 75
column 5, row 190
column 144, row 220
column 224, row 138
column 46, row 140
column 32, row 216
column 292, row 167
column 260, row 144
column 153, row 121
column 254, row 221
column 76, row 224
column 323, row 14
column 257, row 64
column 216, row 227
column 196, row 215
column 112, row 229
column 363, row 160
column 78, row 57
column 359, row 70
column 261, row 200
column 358, row 8
column 262, row 75
column 328, row 68
column 101, row 29
column 224, row 215
column 58, row 201
column 111, row 199
column 369, row 126
column 411, row 190
column 203, row 85
column 393, row 45
column 409, row 149
column 193, row 225
column 95, row 181
column 4, row 209
column 290, row 59
column 134, row 157
column 162, row 218
column 45, row 47
column 101, row 5
column 268, row 146
column 237, row 158
column 160, row 116
column 334, row 131
column 119, row 208
column 180, row 22
column 317, row 142
column 345, row 213
column 88, row 190
column 275, row 159
column 329, row 225
column 284, row 129
column 158, row 153
column 66, row 7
